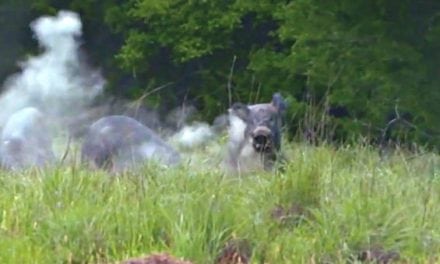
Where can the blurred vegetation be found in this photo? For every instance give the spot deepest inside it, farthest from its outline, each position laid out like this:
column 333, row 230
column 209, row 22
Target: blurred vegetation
column 349, row 63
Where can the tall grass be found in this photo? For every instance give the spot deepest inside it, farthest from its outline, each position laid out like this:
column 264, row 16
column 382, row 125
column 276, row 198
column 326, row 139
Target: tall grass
column 341, row 201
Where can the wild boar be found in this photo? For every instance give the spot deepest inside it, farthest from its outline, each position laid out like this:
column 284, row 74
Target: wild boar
column 119, row 142
column 255, row 134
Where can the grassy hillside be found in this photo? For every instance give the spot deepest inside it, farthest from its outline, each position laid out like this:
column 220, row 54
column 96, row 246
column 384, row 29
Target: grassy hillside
column 327, row 206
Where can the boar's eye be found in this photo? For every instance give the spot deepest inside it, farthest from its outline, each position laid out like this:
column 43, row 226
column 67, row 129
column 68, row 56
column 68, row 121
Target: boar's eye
column 272, row 120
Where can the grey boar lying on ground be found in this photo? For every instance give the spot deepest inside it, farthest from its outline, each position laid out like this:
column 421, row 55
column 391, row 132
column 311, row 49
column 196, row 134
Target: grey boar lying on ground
column 119, row 142
column 255, row 134
column 26, row 140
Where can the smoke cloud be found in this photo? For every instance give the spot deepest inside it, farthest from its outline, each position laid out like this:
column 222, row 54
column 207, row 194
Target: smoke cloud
column 56, row 81
column 62, row 86
column 195, row 135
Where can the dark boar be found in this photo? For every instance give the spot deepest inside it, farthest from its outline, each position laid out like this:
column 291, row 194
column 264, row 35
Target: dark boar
column 118, row 142
column 26, row 140
column 255, row 134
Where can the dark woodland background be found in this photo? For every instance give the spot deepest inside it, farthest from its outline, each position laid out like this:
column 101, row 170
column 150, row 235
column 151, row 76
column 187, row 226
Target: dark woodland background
column 349, row 69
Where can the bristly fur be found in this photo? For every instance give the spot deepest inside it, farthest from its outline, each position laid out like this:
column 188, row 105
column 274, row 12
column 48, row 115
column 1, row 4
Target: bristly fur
column 255, row 135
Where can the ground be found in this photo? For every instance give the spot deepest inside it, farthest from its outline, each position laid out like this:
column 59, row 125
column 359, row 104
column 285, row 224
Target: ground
column 328, row 205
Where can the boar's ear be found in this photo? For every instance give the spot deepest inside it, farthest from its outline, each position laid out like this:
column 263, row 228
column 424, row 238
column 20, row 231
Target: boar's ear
column 279, row 103
column 241, row 110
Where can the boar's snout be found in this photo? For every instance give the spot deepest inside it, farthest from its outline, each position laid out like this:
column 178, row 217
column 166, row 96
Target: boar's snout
column 262, row 139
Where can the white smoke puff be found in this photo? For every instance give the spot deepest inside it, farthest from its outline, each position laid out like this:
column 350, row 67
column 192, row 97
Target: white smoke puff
column 56, row 81
column 236, row 129
column 51, row 30
column 194, row 135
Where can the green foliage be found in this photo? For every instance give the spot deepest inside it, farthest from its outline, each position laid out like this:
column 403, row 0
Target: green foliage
column 364, row 56
column 363, row 61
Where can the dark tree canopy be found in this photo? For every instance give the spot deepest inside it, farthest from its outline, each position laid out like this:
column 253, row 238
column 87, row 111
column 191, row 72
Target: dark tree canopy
column 345, row 66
